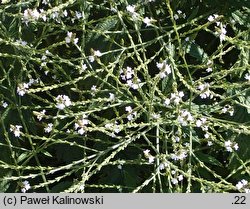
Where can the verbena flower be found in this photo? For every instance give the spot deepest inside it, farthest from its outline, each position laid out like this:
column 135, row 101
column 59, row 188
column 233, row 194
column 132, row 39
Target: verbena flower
column 25, row 186
column 229, row 145
column 148, row 156
column 185, row 117
column 30, row 14
column 48, row 128
column 247, row 76
column 62, row 101
column 22, row 88
column 81, row 125
column 148, row 21
column 242, row 183
column 205, row 92
column 164, row 68
column 71, row 38
column 4, row 104
column 16, row 130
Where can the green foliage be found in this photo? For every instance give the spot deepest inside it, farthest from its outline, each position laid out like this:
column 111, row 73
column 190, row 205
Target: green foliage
column 124, row 96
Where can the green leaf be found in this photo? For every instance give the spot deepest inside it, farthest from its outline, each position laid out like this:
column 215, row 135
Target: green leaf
column 208, row 159
column 197, row 52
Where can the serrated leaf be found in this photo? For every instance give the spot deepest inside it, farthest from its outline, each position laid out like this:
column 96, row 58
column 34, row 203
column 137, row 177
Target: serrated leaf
column 101, row 27
column 208, row 159
column 197, row 52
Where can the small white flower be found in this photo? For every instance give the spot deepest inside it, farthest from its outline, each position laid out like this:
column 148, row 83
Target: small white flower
column 48, row 128
column 81, row 131
column 65, row 13
column 130, row 117
column 148, row 156
column 25, row 186
column 167, row 102
column 209, row 143
column 180, row 177
column 128, row 109
column 210, row 18
column 4, row 104
column 22, row 88
column 16, row 130
column 91, row 58
column 78, row 15
column 164, row 68
column 111, row 97
column 97, row 53
column 176, row 139
column 40, row 115
column 81, row 125
column 62, row 101
column 93, row 88
column 236, row 146
column 209, row 70
column 148, row 21
column 156, row 116
column 70, row 38
column 151, row 159
column 228, row 143
column 131, row 9
column 174, row 181
column 241, row 184
column 198, row 123
column 206, row 135
column 247, row 76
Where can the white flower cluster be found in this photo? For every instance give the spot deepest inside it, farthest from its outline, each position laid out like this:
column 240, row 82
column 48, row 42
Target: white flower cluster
column 48, row 128
column 131, row 10
column 16, row 130
column 179, row 15
column 212, row 18
column 71, row 38
column 185, row 117
column 205, row 92
column 127, row 75
column 164, row 68
column 177, row 178
column 228, row 109
column 40, row 115
column 30, row 14
column 209, row 69
column 62, row 101
column 176, row 98
column 221, row 30
column 114, row 127
column 148, row 156
column 94, row 55
column 179, row 155
column 131, row 114
column 202, row 123
column 231, row 145
column 22, row 88
column 243, row 185
column 25, row 186
column 81, row 125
